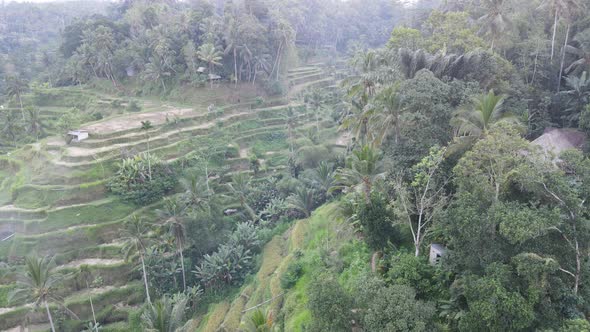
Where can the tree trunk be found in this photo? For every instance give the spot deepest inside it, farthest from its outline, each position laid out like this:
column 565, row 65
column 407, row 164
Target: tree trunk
column 182, row 266
column 235, row 68
column 149, row 158
column 279, row 62
column 274, row 65
column 578, row 268
column 145, row 281
column 49, row 316
column 554, row 33
column 536, row 61
column 567, row 36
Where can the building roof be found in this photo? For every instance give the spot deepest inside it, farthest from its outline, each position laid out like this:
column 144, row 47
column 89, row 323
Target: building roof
column 555, row 140
column 437, row 247
column 77, row 132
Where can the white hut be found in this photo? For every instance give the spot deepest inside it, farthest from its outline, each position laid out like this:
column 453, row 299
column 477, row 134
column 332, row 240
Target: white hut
column 437, row 251
column 78, row 135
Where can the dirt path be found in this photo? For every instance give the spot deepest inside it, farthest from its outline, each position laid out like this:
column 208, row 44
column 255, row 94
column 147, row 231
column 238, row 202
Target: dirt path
column 92, row 261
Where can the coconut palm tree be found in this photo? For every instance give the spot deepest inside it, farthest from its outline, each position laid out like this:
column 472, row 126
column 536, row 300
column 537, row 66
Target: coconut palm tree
column 573, row 8
column 323, row 176
column 387, row 118
column 363, row 169
column 259, row 322
column 146, row 126
column 173, row 216
column 136, row 238
column 475, row 121
column 494, row 21
column 559, row 8
column 581, row 51
column 578, row 96
column 37, row 283
column 240, row 188
column 210, row 55
column 34, row 121
column 10, row 125
column 166, row 314
column 302, row 200
column 15, row 87
column 232, row 37
column 196, row 194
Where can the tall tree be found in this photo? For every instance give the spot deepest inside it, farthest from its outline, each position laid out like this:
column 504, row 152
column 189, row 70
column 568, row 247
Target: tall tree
column 208, row 54
column 173, row 216
column 240, row 188
column 15, row 87
column 422, row 200
column 495, row 20
column 38, row 283
column 476, row 121
column 363, row 169
column 146, row 126
column 136, row 237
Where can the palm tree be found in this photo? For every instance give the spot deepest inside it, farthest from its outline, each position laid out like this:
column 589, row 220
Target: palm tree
column 34, row 121
column 15, row 87
column 387, row 117
column 156, row 71
column 232, row 39
column 559, row 8
column 476, row 121
column 37, row 283
column 11, row 126
column 147, row 126
column 363, row 169
column 578, row 96
column 210, row 55
column 302, row 200
column 136, row 240
column 240, row 188
column 259, row 322
column 196, row 194
column 574, row 7
column 495, row 21
column 316, row 99
column 165, row 315
column 173, row 216
column 323, row 176
column 582, row 53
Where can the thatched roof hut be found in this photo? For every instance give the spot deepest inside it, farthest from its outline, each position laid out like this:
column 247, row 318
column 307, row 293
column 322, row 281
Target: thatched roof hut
column 556, row 140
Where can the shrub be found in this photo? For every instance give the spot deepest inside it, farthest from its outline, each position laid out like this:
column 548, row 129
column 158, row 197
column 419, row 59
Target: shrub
column 273, row 87
column 393, row 308
column 133, row 106
column 375, row 221
column 407, row 269
column 135, row 183
column 329, row 304
column 293, row 273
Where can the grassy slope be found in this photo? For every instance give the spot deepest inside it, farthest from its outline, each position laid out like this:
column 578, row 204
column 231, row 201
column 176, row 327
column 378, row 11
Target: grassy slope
column 310, row 239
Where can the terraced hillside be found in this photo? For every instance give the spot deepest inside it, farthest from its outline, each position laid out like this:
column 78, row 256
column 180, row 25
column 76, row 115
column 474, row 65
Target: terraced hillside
column 305, row 244
column 54, row 198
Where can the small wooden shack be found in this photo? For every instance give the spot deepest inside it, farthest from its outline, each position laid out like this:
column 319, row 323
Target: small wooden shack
column 437, row 251
column 77, row 135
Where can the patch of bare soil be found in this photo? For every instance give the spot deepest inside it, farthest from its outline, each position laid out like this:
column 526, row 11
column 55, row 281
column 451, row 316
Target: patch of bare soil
column 93, row 261
column 134, row 120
